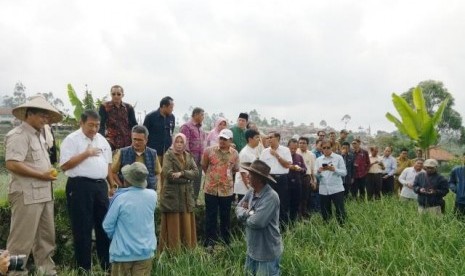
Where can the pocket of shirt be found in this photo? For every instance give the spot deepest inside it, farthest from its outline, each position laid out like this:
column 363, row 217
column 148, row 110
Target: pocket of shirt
column 39, row 191
column 36, row 152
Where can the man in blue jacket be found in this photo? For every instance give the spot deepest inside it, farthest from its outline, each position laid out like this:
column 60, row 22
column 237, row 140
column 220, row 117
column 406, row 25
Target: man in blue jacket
column 130, row 224
column 457, row 185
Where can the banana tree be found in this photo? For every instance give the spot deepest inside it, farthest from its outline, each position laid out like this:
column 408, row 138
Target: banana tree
column 87, row 102
column 415, row 122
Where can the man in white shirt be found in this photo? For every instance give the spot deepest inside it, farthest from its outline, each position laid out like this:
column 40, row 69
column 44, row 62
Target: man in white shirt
column 248, row 154
column 85, row 159
column 390, row 167
column 330, row 169
column 279, row 159
column 407, row 177
column 309, row 182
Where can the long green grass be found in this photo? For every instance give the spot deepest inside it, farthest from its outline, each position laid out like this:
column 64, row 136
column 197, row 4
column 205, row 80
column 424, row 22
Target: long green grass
column 380, row 238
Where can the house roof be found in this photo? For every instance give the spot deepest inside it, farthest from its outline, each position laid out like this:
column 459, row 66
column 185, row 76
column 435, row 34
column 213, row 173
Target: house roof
column 6, row 111
column 440, row 154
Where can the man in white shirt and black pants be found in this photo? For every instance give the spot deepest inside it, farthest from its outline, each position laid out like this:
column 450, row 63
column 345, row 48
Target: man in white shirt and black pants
column 85, row 159
column 279, row 159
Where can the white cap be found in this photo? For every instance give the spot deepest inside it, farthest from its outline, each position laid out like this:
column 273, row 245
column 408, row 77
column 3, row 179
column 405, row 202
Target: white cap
column 430, row 163
column 226, row 134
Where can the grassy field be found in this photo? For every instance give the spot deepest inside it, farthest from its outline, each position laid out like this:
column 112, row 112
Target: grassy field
column 380, row 238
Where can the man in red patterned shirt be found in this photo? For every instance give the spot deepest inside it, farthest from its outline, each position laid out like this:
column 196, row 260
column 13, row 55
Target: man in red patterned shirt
column 117, row 119
column 362, row 165
column 219, row 163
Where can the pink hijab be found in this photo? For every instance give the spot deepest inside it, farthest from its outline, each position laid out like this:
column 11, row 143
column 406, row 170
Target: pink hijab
column 212, row 138
column 183, row 137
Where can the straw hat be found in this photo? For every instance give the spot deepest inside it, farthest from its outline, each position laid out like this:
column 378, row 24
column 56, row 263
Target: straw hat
column 259, row 168
column 37, row 101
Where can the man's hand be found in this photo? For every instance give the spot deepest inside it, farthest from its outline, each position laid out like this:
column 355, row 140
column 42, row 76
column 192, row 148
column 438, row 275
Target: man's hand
column 91, row 151
column 47, row 176
column 4, row 262
column 245, row 205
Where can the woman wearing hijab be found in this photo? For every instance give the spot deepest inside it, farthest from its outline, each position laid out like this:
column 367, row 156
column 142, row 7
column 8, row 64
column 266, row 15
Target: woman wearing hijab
column 177, row 197
column 212, row 138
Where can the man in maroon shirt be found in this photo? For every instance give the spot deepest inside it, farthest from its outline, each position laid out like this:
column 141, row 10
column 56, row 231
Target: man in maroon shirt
column 195, row 142
column 362, row 165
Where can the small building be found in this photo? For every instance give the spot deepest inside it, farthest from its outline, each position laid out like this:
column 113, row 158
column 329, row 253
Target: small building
column 6, row 117
column 440, row 154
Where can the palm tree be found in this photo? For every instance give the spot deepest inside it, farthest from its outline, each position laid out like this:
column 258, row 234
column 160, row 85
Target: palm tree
column 415, row 121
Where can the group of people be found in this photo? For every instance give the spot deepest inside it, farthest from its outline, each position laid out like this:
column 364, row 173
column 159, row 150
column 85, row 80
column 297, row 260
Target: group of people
column 119, row 171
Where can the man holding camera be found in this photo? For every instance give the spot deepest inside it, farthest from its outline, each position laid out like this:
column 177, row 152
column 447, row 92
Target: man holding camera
column 30, row 190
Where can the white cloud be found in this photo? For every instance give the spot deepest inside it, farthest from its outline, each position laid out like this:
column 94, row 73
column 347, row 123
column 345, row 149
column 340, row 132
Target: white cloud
column 302, row 61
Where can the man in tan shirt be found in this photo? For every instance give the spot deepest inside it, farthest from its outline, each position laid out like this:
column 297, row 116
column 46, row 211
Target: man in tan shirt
column 30, row 191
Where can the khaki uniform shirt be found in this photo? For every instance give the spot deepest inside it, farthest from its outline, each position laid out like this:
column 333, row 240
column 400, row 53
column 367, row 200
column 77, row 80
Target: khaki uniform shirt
column 25, row 144
column 402, row 164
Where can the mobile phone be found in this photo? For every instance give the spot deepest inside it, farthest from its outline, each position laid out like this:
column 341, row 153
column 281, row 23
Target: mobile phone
column 324, row 165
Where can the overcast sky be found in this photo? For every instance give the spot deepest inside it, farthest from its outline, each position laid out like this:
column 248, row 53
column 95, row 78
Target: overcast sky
column 303, row 61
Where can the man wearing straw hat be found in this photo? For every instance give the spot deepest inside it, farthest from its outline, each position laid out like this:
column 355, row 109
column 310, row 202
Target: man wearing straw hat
column 30, row 190
column 259, row 209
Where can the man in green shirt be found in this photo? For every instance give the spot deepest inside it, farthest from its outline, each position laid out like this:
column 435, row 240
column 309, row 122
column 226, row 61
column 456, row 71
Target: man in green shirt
column 239, row 131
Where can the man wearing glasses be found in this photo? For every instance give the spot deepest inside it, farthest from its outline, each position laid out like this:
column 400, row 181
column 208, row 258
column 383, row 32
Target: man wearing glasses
column 330, row 169
column 279, row 159
column 117, row 119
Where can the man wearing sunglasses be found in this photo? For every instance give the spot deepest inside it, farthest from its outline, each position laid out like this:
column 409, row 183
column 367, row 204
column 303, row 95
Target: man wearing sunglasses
column 117, row 119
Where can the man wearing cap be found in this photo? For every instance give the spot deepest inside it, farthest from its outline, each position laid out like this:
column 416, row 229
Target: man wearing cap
column 32, row 227
column 259, row 210
column 431, row 187
column 85, row 159
column 117, row 119
column 130, row 224
column 279, row 159
column 239, row 131
column 219, row 164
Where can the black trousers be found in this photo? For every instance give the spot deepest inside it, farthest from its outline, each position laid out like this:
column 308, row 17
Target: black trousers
column 87, row 202
column 282, row 188
column 338, row 200
column 306, row 188
column 295, row 198
column 358, row 187
column 388, row 185
column 213, row 204
column 374, row 183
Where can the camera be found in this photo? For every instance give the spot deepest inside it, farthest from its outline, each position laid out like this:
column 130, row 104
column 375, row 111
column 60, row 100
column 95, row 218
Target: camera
column 17, row 262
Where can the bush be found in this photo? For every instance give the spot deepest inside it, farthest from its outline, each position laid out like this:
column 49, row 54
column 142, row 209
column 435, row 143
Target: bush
column 64, row 255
